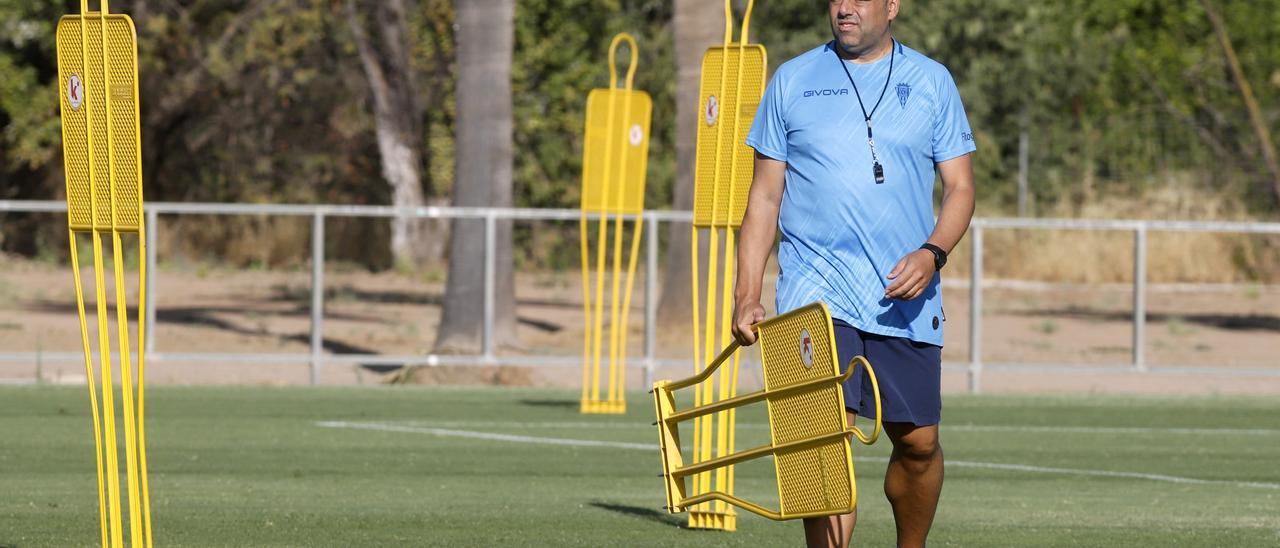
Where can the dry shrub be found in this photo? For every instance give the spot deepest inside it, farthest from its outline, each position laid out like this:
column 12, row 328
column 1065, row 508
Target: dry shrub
column 271, row 241
column 1073, row 256
column 1106, row 256
column 240, row 240
column 268, row 241
column 474, row 375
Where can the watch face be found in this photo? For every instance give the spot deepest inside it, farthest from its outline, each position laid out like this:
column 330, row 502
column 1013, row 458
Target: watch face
column 939, row 257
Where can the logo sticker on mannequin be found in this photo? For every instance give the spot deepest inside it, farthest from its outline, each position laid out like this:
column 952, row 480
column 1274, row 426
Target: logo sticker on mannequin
column 806, row 348
column 75, row 92
column 636, row 135
column 713, row 110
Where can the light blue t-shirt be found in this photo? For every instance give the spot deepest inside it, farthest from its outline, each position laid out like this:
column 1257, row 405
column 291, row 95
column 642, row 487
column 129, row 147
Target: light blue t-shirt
column 841, row 232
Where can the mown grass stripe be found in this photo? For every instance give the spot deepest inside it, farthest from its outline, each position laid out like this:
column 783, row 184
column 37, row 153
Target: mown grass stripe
column 389, row 427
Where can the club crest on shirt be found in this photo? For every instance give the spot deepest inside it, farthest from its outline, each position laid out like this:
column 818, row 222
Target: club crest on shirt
column 904, row 93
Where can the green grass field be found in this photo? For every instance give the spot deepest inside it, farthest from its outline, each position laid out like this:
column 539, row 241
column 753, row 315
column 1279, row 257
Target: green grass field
column 240, row 466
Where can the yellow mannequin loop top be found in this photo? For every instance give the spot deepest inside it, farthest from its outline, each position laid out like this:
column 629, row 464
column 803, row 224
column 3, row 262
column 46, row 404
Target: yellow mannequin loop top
column 103, row 10
column 84, row 7
column 613, row 67
column 728, row 22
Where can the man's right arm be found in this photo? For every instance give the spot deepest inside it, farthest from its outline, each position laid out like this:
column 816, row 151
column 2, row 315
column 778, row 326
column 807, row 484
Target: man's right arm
column 755, row 241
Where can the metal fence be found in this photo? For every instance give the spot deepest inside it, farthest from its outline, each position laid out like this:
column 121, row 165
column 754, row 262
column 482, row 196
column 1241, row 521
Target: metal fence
column 317, row 358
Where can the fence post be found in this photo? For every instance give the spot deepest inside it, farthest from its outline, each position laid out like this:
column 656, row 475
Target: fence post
column 975, row 311
column 1024, row 150
column 650, row 300
column 490, row 241
column 317, row 294
column 1139, row 296
column 153, row 226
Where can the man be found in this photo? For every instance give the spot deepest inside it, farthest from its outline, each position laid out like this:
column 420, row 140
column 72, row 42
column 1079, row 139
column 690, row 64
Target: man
column 847, row 138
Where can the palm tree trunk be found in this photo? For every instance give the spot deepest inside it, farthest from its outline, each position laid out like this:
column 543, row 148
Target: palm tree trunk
column 698, row 24
column 486, row 35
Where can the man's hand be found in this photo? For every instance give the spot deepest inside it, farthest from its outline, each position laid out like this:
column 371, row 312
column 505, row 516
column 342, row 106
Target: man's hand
column 911, row 276
column 745, row 315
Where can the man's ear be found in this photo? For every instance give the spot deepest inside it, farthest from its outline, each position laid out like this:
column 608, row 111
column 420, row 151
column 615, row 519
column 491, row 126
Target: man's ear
column 892, row 8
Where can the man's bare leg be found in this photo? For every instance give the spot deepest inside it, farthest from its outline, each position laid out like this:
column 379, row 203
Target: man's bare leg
column 831, row 531
column 913, row 480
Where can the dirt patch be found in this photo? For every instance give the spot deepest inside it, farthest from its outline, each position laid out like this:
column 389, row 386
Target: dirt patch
column 1208, row 330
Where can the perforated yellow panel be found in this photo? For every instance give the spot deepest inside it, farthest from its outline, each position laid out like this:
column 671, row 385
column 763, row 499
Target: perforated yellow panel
column 807, row 426
column 126, row 175
column 75, row 143
column 812, row 480
column 616, row 151
column 637, row 152
column 122, row 154
column 730, row 93
column 795, row 348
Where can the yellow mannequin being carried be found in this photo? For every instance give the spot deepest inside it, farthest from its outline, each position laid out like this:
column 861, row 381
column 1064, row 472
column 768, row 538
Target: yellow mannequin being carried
column 809, row 437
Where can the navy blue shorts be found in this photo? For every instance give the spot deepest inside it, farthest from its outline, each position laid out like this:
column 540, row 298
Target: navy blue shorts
column 909, row 374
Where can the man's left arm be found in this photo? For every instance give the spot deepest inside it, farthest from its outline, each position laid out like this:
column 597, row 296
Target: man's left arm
column 913, row 272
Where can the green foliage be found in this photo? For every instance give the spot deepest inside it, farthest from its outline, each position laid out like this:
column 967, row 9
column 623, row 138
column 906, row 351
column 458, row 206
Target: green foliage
column 560, row 55
column 1094, row 84
column 1115, row 96
column 29, row 126
column 433, row 52
column 265, row 100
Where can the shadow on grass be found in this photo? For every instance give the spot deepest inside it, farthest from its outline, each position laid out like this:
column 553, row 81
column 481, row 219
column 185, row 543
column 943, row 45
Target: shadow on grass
column 1232, row 322
column 675, row 520
column 562, row 404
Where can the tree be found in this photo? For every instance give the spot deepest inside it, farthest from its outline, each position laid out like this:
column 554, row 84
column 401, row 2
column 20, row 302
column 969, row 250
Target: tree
column 268, row 100
column 485, row 36
column 398, row 117
column 1256, row 119
column 30, row 138
column 698, row 25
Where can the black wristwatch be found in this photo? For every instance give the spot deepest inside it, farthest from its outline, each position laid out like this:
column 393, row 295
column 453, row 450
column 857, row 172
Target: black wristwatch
column 939, row 256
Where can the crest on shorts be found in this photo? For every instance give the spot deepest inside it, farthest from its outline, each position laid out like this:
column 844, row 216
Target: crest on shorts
column 904, row 93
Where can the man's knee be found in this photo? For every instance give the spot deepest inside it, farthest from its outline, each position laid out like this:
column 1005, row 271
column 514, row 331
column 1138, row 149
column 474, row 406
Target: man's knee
column 916, row 445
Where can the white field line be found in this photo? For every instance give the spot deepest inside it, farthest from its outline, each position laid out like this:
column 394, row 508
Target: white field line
column 1108, row 430
column 614, row 425
column 448, row 432
column 386, row 427
column 1108, row 474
